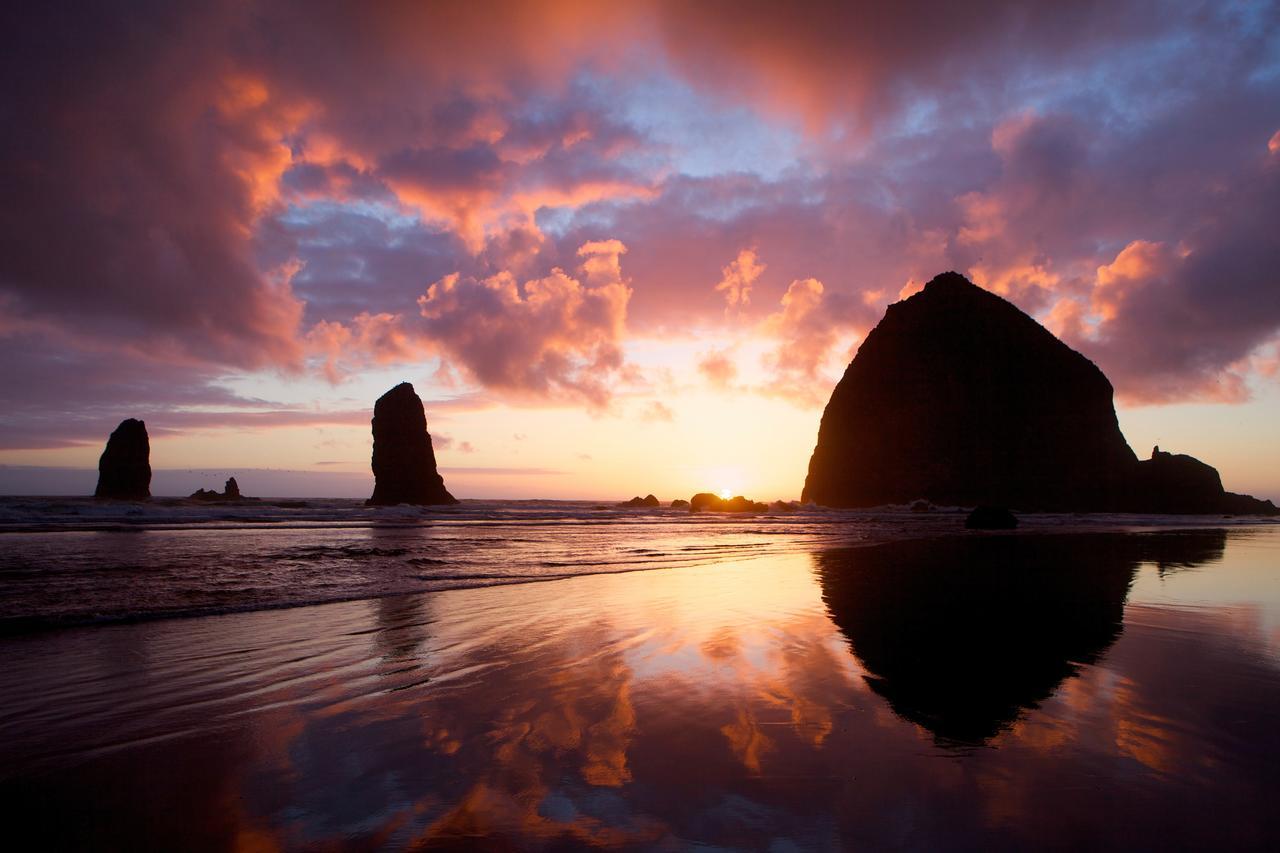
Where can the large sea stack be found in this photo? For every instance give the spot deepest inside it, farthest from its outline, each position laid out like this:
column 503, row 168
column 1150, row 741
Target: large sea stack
column 404, row 464
column 960, row 398
column 124, row 469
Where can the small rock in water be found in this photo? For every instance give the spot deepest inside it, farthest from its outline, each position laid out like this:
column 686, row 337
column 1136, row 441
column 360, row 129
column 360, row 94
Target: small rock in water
column 708, row 502
column 230, row 492
column 679, row 503
column 991, row 518
column 646, row 501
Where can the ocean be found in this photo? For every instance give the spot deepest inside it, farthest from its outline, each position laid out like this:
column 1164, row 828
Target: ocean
column 568, row 675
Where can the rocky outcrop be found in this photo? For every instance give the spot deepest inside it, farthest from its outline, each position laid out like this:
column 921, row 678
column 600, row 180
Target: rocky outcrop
column 990, row 518
column 959, row 398
column 707, row 502
column 641, row 502
column 124, row 469
column 404, row 463
column 230, row 494
column 679, row 503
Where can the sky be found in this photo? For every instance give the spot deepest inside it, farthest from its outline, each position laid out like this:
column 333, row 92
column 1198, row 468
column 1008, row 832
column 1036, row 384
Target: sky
column 617, row 248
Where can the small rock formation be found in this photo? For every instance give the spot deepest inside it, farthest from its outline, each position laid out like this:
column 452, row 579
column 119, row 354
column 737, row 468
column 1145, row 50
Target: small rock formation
column 230, row 493
column 921, row 506
column 679, row 503
column 958, row 398
column 404, row 463
column 707, row 502
column 991, row 518
column 638, row 502
column 782, row 506
column 124, row 469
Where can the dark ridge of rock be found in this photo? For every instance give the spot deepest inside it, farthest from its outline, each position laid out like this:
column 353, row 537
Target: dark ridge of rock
column 124, row 469
column 782, row 506
column 962, row 635
column 637, row 502
column 404, row 463
column 958, row 398
column 707, row 502
column 679, row 503
column 991, row 518
column 230, row 494
column 1177, row 483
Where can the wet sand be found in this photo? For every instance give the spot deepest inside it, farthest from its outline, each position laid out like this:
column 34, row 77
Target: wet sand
column 1061, row 692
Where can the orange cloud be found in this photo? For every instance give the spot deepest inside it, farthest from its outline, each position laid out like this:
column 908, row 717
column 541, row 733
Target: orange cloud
column 738, row 277
column 556, row 336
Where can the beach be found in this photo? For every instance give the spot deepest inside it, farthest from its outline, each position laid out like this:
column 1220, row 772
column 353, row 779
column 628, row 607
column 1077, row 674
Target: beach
column 1104, row 688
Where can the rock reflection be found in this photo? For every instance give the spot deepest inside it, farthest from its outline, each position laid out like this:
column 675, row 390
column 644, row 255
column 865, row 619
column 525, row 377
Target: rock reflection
column 961, row 635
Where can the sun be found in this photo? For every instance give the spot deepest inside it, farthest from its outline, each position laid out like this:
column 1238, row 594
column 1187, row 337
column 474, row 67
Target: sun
column 726, row 493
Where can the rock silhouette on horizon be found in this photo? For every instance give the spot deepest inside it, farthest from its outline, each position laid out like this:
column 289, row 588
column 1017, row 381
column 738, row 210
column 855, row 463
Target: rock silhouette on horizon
column 124, row 469
column 708, row 502
column 638, row 502
column 404, row 463
column 959, row 398
column 230, row 492
column 990, row 518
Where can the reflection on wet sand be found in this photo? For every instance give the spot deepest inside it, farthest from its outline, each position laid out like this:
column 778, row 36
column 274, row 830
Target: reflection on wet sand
column 786, row 703
column 962, row 634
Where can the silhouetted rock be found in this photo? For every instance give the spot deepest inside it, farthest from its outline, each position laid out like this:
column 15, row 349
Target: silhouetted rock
column 636, row 502
column 959, row 398
column 707, row 502
column 962, row 634
column 404, row 463
column 229, row 494
column 124, row 469
column 782, row 506
column 921, row 506
column 679, row 503
column 991, row 518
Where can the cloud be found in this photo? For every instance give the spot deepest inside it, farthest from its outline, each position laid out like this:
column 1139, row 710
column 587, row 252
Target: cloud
column 655, row 411
column 807, row 327
column 200, row 191
column 719, row 369
column 738, row 277
column 556, row 336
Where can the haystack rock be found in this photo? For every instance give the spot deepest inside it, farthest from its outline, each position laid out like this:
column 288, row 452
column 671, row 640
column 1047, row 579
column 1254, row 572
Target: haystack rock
column 124, row 469
column 959, row 398
column 404, row 464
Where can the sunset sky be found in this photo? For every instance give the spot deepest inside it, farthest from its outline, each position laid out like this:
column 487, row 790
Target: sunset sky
column 618, row 248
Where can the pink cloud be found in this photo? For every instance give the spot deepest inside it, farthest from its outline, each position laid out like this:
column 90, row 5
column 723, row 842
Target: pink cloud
column 719, row 368
column 807, row 327
column 738, row 277
column 552, row 337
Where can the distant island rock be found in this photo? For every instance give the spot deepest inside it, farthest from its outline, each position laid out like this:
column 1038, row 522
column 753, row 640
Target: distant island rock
column 707, row 502
column 124, row 469
column 991, row 518
column 959, row 398
column 230, row 494
column 679, row 503
column 404, row 463
column 641, row 502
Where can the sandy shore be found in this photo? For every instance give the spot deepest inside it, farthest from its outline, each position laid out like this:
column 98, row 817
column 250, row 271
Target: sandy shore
column 727, row 705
